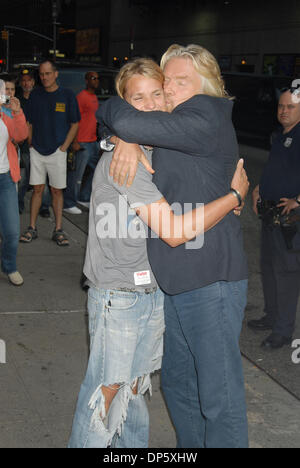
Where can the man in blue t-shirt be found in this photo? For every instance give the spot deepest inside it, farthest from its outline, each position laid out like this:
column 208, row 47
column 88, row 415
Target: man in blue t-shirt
column 53, row 117
column 280, row 264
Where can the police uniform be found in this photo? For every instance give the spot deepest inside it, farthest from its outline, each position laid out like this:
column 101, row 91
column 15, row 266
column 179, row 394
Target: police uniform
column 280, row 267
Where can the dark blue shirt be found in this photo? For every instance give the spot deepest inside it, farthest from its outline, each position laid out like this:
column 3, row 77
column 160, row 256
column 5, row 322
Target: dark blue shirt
column 23, row 102
column 281, row 175
column 194, row 160
column 51, row 115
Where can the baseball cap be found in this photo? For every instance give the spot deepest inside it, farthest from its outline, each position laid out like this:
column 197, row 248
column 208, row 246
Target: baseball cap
column 27, row 72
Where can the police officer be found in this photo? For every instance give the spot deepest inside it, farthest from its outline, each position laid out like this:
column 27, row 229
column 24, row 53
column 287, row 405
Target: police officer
column 278, row 195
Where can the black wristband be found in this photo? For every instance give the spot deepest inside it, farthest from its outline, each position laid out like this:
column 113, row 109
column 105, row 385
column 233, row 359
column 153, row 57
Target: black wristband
column 237, row 195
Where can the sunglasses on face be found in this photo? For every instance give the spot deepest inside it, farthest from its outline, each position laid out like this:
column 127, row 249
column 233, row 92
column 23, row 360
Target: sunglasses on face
column 94, row 78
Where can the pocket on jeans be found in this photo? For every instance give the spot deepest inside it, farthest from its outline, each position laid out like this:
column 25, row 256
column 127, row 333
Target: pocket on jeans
column 121, row 301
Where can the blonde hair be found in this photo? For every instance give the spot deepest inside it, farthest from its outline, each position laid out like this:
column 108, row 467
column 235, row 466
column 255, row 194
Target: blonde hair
column 205, row 64
column 140, row 66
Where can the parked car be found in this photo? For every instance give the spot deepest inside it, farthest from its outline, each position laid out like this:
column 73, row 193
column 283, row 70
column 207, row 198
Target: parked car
column 255, row 105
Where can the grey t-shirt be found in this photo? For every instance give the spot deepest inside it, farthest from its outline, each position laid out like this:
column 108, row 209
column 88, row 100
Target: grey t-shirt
column 116, row 255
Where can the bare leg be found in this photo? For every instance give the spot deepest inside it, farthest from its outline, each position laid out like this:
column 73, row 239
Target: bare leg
column 57, row 204
column 109, row 394
column 36, row 201
column 111, row 391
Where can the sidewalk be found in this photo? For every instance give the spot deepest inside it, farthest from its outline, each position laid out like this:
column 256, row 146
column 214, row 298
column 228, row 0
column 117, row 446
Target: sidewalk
column 44, row 327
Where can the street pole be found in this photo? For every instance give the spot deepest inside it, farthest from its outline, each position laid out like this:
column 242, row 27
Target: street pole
column 17, row 28
column 7, row 52
column 54, row 17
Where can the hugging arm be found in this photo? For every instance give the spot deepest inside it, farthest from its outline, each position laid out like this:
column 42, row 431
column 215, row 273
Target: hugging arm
column 190, row 128
column 176, row 230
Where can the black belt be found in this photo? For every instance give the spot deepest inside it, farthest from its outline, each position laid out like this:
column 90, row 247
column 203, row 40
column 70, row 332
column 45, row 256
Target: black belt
column 133, row 290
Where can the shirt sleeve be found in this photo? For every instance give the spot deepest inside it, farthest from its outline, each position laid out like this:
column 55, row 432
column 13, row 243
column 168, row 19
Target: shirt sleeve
column 191, row 128
column 142, row 192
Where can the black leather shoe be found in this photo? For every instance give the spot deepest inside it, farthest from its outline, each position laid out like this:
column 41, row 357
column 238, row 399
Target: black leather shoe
column 275, row 341
column 261, row 324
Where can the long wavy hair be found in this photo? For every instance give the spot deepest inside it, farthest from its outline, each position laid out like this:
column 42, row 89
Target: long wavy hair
column 205, row 64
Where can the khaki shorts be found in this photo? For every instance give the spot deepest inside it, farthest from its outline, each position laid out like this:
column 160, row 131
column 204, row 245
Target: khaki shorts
column 54, row 165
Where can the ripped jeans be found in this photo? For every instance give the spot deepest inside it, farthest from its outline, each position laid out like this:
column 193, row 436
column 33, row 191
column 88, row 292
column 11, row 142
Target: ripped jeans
column 126, row 346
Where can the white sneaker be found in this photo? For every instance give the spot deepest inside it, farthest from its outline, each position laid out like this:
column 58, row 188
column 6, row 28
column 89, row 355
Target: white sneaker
column 15, row 278
column 73, row 210
column 86, row 204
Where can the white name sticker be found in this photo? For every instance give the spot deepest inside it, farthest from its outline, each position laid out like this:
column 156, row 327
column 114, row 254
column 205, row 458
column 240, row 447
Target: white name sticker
column 142, row 277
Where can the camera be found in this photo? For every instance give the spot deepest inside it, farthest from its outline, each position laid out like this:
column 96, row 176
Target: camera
column 4, row 99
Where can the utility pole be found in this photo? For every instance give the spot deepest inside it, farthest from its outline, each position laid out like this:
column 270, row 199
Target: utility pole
column 54, row 17
column 7, row 52
column 5, row 37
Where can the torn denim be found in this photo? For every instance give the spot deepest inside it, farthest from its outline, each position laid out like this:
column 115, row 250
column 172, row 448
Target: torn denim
column 126, row 346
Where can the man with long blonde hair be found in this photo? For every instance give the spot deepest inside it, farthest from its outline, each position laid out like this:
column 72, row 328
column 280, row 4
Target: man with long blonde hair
column 195, row 151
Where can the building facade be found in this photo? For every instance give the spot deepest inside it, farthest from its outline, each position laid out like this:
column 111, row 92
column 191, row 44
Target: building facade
column 249, row 35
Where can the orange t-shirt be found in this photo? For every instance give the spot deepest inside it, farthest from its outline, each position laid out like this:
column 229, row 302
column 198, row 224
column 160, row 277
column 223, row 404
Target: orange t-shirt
column 88, row 105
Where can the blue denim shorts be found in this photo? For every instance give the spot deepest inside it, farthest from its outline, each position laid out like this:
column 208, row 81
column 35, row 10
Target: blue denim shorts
column 126, row 346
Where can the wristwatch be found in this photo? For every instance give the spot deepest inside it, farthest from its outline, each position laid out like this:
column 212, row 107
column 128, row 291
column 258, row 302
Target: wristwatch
column 298, row 199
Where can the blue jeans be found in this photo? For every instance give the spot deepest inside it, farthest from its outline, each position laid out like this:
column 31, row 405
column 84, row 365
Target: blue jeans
column 202, row 375
column 9, row 223
column 126, row 345
column 88, row 156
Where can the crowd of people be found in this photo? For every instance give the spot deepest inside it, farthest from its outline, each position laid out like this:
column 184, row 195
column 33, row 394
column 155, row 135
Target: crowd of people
column 163, row 298
column 56, row 121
